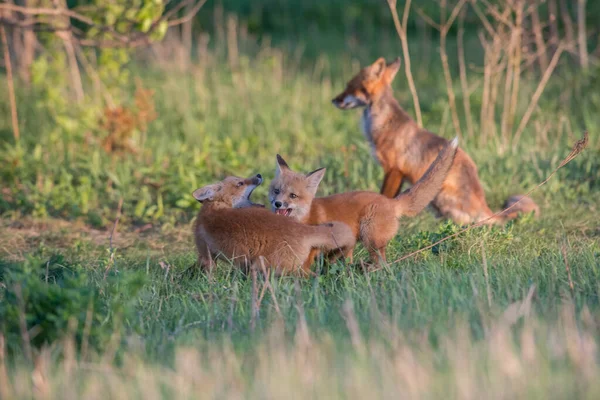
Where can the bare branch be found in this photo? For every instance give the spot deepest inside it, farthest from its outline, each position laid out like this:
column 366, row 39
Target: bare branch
column 39, row 21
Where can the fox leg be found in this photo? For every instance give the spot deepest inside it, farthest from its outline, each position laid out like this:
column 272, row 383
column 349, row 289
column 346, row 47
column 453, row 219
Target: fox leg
column 345, row 253
column 309, row 260
column 392, row 183
column 378, row 256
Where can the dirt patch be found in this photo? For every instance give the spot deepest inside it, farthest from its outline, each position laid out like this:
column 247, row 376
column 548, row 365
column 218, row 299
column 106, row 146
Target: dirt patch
column 21, row 237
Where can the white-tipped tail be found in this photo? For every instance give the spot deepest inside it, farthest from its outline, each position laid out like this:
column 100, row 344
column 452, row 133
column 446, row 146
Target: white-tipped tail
column 454, row 142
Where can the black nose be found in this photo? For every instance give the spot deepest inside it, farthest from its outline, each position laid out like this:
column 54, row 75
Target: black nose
column 278, row 204
column 259, row 176
column 334, row 101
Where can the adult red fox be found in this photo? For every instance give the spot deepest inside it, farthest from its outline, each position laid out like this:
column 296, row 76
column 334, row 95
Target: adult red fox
column 405, row 151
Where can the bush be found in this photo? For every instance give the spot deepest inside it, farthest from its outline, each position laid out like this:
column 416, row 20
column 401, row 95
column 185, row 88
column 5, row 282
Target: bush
column 52, row 295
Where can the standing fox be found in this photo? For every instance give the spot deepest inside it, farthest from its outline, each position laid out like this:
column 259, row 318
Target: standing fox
column 372, row 217
column 405, row 150
column 229, row 225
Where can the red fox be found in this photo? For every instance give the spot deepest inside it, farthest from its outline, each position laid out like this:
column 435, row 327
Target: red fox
column 229, row 225
column 405, row 151
column 372, row 217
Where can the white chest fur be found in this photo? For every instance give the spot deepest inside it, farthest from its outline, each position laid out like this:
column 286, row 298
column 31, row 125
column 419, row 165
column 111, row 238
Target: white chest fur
column 366, row 124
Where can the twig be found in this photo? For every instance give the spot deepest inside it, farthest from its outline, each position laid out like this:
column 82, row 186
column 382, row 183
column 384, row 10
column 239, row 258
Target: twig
column 11, row 86
column 401, row 30
column 578, row 147
column 463, row 74
column 132, row 39
column 193, row 11
column 538, row 93
column 581, row 35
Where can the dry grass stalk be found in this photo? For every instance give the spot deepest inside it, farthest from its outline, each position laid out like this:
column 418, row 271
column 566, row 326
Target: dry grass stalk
column 111, row 261
column 563, row 250
column 5, row 388
column 401, row 29
column 23, row 324
column 254, row 301
column 578, row 147
column 486, row 275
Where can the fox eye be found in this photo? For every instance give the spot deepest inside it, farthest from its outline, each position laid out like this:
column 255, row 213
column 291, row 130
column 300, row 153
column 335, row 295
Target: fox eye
column 293, row 195
column 276, row 191
column 240, row 184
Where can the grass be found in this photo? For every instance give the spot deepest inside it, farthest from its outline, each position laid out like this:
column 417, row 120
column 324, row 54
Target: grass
column 492, row 311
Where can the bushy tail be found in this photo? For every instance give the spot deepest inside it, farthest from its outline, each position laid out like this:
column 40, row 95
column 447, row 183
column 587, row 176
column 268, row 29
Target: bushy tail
column 415, row 199
column 522, row 205
column 333, row 235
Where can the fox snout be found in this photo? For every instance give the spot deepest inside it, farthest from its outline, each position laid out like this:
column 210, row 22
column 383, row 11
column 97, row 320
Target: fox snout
column 347, row 101
column 255, row 180
column 342, row 102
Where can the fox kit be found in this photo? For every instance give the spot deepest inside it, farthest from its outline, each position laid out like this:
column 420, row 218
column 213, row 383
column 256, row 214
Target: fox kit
column 372, row 217
column 229, row 225
column 405, row 151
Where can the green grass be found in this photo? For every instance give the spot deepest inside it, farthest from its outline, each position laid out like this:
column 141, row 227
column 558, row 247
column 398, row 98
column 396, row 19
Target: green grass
column 454, row 321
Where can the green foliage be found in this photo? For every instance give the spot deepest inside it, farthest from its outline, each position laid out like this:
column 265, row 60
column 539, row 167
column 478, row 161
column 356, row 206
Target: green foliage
column 57, row 300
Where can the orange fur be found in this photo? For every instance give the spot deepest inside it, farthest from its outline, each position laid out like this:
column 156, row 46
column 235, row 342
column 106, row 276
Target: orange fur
column 405, row 151
column 372, row 217
column 229, row 226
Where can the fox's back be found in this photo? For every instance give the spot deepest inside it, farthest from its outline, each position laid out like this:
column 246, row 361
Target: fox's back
column 348, row 208
column 253, row 227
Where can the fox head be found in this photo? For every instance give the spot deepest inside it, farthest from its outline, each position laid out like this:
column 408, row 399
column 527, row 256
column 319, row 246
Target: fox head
column 232, row 192
column 291, row 193
column 367, row 85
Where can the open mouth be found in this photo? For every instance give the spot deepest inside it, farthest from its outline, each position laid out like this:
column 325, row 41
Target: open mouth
column 285, row 212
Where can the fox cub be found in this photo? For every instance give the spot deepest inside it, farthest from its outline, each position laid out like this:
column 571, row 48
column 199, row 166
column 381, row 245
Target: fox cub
column 405, row 151
column 229, row 225
column 372, row 217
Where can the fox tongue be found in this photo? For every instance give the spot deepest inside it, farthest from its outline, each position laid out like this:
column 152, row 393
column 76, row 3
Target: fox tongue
column 283, row 211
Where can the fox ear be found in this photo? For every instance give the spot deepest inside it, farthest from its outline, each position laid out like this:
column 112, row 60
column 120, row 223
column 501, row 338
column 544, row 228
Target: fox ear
column 281, row 166
column 377, row 68
column 392, row 69
column 207, row 193
column 314, row 178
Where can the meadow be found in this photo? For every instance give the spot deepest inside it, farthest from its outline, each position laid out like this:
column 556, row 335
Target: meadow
column 99, row 295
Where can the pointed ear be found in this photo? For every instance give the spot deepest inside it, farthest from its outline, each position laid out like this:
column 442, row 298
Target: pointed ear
column 391, row 70
column 207, row 193
column 377, row 69
column 281, row 166
column 314, row 178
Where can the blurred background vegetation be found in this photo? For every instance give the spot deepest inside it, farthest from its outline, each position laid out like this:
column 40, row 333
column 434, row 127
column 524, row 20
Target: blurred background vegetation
column 145, row 100
column 113, row 112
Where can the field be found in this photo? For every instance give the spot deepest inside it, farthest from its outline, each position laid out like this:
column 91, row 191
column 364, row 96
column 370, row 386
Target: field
column 99, row 295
